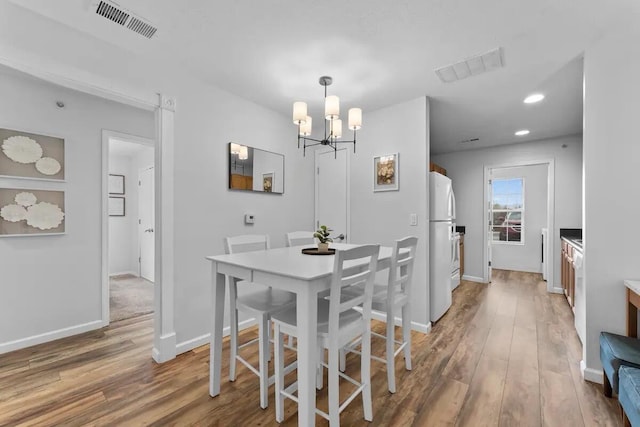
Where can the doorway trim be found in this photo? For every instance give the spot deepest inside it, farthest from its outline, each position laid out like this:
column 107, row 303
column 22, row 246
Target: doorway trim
column 164, row 343
column 107, row 135
column 316, row 183
column 550, row 216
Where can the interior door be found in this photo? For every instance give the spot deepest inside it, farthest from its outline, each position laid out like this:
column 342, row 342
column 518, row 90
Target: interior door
column 332, row 192
column 146, row 221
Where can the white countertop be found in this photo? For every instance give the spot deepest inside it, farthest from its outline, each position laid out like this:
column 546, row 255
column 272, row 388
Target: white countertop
column 634, row 285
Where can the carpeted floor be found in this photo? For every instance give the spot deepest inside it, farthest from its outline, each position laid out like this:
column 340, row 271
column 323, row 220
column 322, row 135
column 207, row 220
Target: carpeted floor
column 129, row 296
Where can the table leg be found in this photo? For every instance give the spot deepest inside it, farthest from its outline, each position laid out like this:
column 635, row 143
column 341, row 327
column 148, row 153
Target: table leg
column 215, row 344
column 307, row 319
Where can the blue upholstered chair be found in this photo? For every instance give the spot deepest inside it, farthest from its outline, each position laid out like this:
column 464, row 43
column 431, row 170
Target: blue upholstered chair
column 629, row 395
column 615, row 351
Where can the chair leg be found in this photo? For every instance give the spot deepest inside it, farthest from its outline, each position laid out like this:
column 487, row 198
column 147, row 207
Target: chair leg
column 279, row 368
column 390, row 350
column 365, row 374
column 406, row 334
column 334, row 387
column 319, row 367
column 343, row 359
column 263, row 354
column 233, row 324
column 606, row 385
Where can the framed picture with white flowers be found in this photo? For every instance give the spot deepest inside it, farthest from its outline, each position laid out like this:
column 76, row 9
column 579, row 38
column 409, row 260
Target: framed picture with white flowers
column 386, row 173
column 31, row 156
column 31, row 212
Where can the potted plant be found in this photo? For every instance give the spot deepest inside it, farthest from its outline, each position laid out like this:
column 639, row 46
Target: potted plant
column 322, row 234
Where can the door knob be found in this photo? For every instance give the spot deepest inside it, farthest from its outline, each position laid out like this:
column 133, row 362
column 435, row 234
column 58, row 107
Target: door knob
column 149, row 230
column 340, row 237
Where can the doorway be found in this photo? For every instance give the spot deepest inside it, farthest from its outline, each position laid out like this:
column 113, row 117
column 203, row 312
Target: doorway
column 131, row 229
column 332, row 192
column 519, row 206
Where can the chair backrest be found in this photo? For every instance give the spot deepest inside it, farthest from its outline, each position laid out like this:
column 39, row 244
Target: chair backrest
column 298, row 238
column 401, row 270
column 246, row 243
column 343, row 277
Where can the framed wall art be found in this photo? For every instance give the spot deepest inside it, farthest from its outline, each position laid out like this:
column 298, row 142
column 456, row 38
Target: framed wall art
column 116, row 206
column 116, row 184
column 31, row 156
column 386, row 173
column 31, row 212
column 267, row 182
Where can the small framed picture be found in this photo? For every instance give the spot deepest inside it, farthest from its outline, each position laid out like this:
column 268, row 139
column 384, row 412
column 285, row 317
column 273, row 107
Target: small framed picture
column 116, row 184
column 116, row 206
column 267, row 182
column 385, row 173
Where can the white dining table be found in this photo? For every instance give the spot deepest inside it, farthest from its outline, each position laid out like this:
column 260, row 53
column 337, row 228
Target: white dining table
column 290, row 270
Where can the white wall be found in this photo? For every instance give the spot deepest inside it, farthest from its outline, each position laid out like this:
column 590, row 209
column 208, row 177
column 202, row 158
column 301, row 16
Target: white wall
column 466, row 170
column 525, row 256
column 123, row 239
column 123, row 231
column 611, row 195
column 206, row 211
column 383, row 217
column 206, row 119
column 52, row 283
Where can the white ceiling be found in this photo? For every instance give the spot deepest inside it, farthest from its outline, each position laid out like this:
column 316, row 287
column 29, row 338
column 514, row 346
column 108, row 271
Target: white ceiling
column 379, row 52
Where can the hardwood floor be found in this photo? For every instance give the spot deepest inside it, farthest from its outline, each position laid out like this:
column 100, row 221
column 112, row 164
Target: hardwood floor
column 505, row 354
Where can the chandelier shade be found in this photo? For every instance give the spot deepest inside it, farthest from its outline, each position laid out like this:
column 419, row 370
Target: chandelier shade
column 332, row 122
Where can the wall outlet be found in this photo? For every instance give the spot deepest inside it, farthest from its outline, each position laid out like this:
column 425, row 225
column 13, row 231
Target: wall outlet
column 249, row 219
column 413, row 219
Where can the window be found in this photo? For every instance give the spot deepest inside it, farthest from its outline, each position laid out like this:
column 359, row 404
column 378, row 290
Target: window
column 507, row 210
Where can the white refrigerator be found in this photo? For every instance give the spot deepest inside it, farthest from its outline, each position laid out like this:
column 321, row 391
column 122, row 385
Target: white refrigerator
column 442, row 214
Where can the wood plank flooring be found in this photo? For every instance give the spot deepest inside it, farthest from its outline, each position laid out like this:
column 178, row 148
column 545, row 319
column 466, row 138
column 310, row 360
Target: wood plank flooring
column 505, row 354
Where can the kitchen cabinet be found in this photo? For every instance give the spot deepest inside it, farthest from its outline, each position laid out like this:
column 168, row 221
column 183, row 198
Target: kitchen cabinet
column 461, row 255
column 436, row 168
column 568, row 253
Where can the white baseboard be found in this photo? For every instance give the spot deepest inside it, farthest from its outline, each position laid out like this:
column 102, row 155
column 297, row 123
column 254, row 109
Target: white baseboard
column 49, row 336
column 201, row 340
column 556, row 290
column 473, row 279
column 415, row 326
column 165, row 349
column 592, row 375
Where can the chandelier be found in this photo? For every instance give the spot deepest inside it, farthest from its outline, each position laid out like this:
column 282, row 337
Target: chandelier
column 242, row 151
column 332, row 124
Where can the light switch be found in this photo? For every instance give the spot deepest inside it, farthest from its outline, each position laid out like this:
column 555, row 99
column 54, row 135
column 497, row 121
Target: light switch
column 249, row 218
column 413, row 219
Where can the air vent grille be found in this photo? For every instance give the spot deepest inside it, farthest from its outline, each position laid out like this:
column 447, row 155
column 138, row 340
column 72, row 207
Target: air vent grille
column 473, row 66
column 121, row 16
column 141, row 27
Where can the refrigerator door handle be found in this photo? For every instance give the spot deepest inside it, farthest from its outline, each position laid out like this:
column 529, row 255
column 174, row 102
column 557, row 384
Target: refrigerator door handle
column 453, row 204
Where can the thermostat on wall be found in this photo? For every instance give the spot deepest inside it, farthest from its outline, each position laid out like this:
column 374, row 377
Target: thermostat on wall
column 249, row 219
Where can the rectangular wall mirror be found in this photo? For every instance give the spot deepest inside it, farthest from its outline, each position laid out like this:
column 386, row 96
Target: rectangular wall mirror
column 252, row 169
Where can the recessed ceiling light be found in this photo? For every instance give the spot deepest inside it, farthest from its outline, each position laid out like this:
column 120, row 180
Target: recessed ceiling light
column 533, row 98
column 522, row 132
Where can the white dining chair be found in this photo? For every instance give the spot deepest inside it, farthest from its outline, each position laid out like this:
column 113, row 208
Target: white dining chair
column 338, row 325
column 392, row 298
column 260, row 302
column 299, row 238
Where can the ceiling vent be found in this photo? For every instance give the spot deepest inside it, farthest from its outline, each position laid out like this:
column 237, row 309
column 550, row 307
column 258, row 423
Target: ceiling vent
column 473, row 66
column 121, row 16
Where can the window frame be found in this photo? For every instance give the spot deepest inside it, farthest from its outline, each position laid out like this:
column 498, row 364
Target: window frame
column 506, row 211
